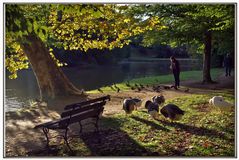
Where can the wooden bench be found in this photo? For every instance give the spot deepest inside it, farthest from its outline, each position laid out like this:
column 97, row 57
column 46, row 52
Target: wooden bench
column 75, row 113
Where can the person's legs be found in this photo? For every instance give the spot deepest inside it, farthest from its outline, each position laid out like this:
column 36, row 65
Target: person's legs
column 175, row 79
column 226, row 71
column 178, row 80
column 229, row 71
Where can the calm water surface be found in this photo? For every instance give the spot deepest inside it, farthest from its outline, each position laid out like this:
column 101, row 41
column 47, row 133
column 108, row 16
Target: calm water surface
column 19, row 92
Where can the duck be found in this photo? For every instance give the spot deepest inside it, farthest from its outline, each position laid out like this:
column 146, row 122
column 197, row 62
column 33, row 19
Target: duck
column 158, row 99
column 173, row 112
column 219, row 102
column 153, row 109
column 131, row 104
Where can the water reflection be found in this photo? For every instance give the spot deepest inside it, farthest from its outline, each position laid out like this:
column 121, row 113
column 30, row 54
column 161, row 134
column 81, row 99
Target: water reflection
column 24, row 88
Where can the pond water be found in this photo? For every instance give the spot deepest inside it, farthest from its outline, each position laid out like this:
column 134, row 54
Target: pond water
column 21, row 91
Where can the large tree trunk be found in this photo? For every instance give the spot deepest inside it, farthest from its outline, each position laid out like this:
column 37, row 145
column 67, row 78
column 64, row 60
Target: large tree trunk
column 51, row 80
column 207, row 57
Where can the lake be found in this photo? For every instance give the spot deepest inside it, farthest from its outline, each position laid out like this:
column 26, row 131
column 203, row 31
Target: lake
column 19, row 92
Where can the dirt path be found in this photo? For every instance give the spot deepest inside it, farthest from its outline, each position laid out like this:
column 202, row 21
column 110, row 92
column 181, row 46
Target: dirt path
column 20, row 137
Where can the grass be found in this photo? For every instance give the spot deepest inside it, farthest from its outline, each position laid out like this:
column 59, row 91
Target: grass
column 163, row 79
column 203, row 131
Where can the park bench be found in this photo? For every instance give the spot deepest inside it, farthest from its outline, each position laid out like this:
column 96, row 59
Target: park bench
column 75, row 113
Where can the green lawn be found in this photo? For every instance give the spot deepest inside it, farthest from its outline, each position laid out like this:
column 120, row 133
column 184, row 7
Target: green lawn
column 151, row 80
column 203, row 131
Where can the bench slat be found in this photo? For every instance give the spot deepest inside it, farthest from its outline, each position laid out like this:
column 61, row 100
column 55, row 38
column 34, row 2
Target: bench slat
column 82, row 109
column 81, row 116
column 76, row 105
column 75, row 118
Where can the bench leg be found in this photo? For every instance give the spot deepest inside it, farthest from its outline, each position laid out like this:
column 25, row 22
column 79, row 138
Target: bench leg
column 45, row 131
column 97, row 130
column 66, row 140
column 80, row 126
column 96, row 124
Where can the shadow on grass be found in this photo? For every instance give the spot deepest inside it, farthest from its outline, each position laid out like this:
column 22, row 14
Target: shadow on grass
column 152, row 124
column 109, row 141
column 112, row 141
column 200, row 131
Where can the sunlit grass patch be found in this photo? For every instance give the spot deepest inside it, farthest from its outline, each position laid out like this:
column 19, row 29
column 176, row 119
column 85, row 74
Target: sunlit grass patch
column 151, row 80
column 201, row 132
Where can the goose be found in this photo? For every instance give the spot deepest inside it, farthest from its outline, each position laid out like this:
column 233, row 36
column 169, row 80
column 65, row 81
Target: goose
column 172, row 112
column 158, row 99
column 153, row 109
column 137, row 101
column 219, row 102
column 131, row 104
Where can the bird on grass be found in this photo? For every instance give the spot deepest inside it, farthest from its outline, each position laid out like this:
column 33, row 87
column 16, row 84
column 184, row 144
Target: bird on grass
column 100, row 90
column 142, row 86
column 127, row 84
column 173, row 86
column 117, row 88
column 156, row 88
column 166, row 87
column 137, row 101
column 173, row 112
column 153, row 109
column 132, row 88
column 129, row 105
column 158, row 99
column 186, row 90
column 136, row 85
column 139, row 89
column 219, row 102
column 112, row 88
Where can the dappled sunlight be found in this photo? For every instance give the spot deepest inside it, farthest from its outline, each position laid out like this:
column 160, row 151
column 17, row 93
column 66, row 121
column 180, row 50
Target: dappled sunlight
column 19, row 129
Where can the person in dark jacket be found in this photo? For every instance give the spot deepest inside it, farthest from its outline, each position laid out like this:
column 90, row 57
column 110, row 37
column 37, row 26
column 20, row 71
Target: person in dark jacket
column 227, row 63
column 176, row 70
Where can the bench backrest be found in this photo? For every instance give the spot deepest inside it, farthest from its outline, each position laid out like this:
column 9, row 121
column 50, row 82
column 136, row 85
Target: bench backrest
column 76, row 115
column 93, row 112
column 79, row 105
column 85, row 108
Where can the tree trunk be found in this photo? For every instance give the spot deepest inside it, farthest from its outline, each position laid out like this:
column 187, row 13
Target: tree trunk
column 207, row 58
column 51, row 80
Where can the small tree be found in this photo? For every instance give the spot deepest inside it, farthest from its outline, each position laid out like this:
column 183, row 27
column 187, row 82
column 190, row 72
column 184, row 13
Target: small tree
column 198, row 25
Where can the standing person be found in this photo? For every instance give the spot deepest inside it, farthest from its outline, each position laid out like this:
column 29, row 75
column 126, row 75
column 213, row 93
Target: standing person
column 227, row 63
column 176, row 70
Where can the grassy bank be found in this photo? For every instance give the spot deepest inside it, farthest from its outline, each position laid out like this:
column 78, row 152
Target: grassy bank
column 203, row 131
column 163, row 79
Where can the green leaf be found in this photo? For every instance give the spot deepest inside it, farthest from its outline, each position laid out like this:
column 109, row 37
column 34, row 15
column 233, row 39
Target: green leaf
column 29, row 26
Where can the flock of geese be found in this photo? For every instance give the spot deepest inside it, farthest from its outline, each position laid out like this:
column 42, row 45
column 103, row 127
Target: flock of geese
column 170, row 111
column 156, row 104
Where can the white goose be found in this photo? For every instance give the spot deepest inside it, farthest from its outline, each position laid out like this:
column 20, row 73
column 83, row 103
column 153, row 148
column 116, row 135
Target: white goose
column 219, row 102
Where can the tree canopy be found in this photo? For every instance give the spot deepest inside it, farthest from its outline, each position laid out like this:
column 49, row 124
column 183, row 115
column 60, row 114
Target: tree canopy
column 71, row 27
column 187, row 24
